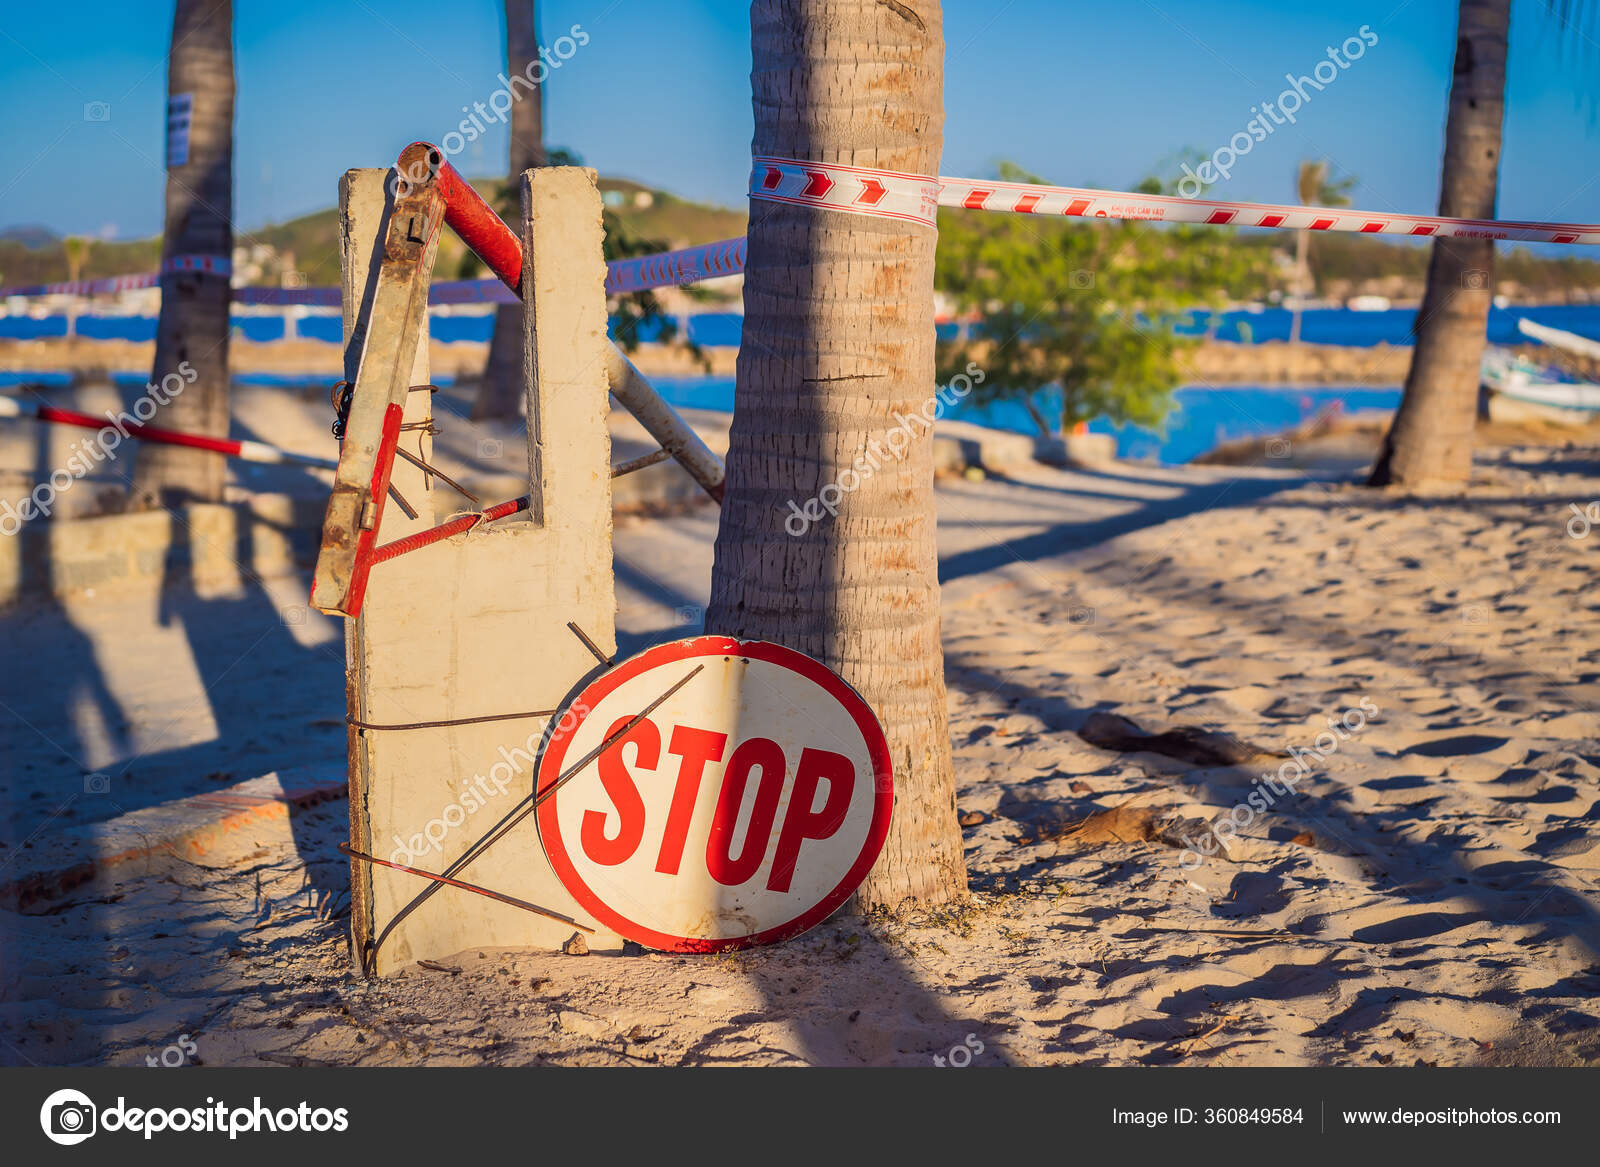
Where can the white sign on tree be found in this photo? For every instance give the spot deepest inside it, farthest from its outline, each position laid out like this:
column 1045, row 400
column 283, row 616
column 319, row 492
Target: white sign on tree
column 743, row 809
column 180, row 119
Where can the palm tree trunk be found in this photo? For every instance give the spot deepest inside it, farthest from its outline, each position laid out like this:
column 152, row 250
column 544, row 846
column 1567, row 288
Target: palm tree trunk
column 193, row 327
column 838, row 342
column 1430, row 441
column 500, row 394
column 1302, row 246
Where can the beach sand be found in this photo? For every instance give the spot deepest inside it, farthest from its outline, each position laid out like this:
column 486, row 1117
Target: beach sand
column 1424, row 892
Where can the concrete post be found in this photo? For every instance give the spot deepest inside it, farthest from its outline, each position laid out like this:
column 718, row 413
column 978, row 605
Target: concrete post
column 476, row 626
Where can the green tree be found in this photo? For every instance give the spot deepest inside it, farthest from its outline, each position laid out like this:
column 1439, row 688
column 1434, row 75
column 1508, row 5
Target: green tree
column 76, row 249
column 1086, row 309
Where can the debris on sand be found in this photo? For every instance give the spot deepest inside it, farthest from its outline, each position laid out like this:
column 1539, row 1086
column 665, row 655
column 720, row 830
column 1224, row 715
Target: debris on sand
column 1204, row 747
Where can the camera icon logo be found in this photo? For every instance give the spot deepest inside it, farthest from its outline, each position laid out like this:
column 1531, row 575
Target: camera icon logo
column 1475, row 278
column 1278, row 448
column 1583, row 521
column 96, row 111
column 97, row 784
column 1081, row 280
column 491, row 448
column 68, row 1117
column 1081, row 617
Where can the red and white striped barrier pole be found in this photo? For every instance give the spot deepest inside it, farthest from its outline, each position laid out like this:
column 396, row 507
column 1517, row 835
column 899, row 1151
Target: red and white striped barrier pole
column 244, row 450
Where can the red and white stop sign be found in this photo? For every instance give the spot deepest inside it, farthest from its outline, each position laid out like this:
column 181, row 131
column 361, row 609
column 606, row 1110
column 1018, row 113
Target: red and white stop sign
column 743, row 809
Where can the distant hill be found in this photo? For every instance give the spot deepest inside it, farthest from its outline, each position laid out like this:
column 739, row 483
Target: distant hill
column 30, row 235
column 679, row 222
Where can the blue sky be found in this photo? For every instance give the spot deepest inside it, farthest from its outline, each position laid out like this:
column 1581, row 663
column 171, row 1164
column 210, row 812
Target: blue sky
column 1083, row 94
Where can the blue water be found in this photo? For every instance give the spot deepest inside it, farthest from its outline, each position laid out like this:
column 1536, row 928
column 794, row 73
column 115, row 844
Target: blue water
column 1365, row 329
column 714, row 330
column 721, row 329
column 1200, row 420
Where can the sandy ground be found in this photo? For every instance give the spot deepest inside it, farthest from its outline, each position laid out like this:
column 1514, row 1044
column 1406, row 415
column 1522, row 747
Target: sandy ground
column 1425, row 891
column 489, row 458
column 1344, row 444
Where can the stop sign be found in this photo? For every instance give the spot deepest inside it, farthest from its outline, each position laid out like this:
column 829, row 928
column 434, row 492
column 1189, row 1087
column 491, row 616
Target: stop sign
column 743, row 809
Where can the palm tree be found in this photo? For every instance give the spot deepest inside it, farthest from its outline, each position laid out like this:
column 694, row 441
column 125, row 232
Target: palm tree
column 1430, row 440
column 1314, row 187
column 838, row 341
column 76, row 250
column 501, row 392
column 193, row 328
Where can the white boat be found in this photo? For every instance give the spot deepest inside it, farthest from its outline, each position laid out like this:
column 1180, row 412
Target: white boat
column 1546, row 391
column 1573, row 343
column 1368, row 304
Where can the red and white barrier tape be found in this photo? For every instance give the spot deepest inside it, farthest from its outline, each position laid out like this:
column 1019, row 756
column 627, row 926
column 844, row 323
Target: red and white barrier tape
column 883, row 194
column 85, row 287
column 1031, row 199
column 245, row 450
column 669, row 269
column 893, row 195
column 887, row 194
column 287, row 297
column 213, row 265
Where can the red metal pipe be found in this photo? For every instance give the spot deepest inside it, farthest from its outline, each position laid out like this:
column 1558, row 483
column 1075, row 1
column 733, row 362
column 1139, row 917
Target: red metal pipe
column 497, row 245
column 148, row 433
column 473, row 219
column 444, row 530
column 247, row 450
